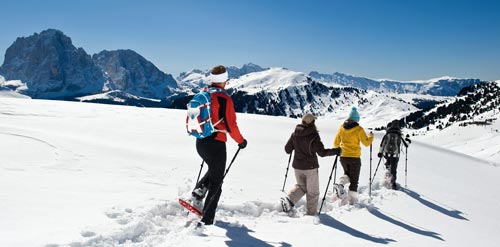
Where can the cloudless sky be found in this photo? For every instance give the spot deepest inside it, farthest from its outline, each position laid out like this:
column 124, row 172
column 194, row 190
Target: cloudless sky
column 397, row 39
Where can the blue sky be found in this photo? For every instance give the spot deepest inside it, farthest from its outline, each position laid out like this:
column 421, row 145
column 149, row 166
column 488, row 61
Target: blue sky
column 398, row 39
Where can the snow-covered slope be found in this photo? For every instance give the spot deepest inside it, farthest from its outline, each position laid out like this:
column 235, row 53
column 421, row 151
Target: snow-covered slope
column 193, row 80
column 274, row 79
column 101, row 175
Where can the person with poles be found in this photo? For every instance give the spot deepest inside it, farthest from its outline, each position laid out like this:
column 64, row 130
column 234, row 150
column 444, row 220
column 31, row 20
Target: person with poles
column 212, row 149
column 390, row 148
column 349, row 137
column 306, row 142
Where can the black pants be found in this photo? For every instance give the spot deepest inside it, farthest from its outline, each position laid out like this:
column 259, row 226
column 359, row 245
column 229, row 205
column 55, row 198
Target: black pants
column 392, row 162
column 352, row 167
column 213, row 152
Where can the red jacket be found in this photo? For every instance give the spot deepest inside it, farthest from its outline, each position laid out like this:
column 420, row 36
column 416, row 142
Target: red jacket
column 223, row 108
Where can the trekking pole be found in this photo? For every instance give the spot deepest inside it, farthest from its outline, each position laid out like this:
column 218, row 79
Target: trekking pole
column 222, row 180
column 198, row 179
column 334, row 178
column 406, row 160
column 370, row 179
column 328, row 184
column 376, row 169
column 199, row 173
column 406, row 167
column 286, row 174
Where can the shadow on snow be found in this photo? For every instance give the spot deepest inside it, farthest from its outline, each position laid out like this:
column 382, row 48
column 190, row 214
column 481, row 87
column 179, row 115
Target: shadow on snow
column 452, row 213
column 374, row 211
column 331, row 222
column 240, row 236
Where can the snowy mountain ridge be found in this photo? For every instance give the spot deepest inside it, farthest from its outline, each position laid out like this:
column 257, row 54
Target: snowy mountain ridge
column 281, row 92
column 442, row 86
column 62, row 71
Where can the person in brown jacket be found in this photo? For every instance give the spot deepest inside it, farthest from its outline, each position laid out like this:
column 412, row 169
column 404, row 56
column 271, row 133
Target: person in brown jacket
column 306, row 142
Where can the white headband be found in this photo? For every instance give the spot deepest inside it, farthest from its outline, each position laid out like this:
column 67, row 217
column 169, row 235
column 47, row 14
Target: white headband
column 217, row 78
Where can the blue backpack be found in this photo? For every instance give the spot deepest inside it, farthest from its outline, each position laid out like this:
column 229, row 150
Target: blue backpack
column 199, row 114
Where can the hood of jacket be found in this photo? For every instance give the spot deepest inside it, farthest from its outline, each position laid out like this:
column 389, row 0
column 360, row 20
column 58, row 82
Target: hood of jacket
column 349, row 124
column 304, row 130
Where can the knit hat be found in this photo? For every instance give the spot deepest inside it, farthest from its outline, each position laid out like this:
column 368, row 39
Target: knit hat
column 308, row 118
column 354, row 115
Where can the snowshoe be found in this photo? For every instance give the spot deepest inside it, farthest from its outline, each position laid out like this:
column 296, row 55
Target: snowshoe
column 189, row 205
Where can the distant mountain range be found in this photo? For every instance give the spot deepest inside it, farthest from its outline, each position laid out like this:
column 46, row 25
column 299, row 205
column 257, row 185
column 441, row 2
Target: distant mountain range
column 48, row 66
column 444, row 86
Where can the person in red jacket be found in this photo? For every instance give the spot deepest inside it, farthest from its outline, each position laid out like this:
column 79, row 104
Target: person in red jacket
column 212, row 149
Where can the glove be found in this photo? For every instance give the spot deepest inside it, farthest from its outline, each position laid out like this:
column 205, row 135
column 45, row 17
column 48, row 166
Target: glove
column 243, row 145
column 337, row 151
column 379, row 155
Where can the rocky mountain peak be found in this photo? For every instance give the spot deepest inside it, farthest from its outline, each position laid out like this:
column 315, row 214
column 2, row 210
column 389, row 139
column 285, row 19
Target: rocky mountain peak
column 130, row 72
column 51, row 66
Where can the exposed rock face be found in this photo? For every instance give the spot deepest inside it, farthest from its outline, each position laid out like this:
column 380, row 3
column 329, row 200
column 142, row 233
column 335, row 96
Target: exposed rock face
column 131, row 73
column 51, row 67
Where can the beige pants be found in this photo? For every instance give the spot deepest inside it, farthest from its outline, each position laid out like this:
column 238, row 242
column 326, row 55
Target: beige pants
column 307, row 184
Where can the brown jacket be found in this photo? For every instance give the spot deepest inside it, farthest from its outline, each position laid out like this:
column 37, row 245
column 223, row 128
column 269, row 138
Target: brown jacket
column 306, row 142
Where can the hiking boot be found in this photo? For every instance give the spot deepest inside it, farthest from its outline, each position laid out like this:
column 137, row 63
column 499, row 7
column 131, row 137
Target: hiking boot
column 394, row 186
column 387, row 166
column 198, row 204
column 353, row 197
column 207, row 222
column 199, row 193
column 286, row 204
column 339, row 191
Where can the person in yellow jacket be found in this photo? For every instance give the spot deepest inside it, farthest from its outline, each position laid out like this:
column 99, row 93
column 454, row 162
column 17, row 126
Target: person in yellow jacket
column 348, row 138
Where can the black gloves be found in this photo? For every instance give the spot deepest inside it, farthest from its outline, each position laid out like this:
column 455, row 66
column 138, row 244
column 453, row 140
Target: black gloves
column 379, row 155
column 407, row 139
column 337, row 151
column 243, row 144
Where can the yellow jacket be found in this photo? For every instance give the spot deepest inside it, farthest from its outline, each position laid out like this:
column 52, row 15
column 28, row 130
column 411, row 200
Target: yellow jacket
column 349, row 136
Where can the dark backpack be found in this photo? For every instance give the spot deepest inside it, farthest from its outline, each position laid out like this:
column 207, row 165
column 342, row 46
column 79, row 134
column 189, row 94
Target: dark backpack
column 199, row 114
column 392, row 143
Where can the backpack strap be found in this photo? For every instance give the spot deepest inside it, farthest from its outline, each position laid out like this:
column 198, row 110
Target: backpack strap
column 212, row 90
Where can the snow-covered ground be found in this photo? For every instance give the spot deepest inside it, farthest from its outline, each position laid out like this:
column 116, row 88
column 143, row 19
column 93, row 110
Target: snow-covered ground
column 80, row 174
column 481, row 141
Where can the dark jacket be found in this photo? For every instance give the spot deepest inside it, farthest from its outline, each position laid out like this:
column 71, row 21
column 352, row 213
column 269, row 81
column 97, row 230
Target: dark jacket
column 306, row 142
column 385, row 139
